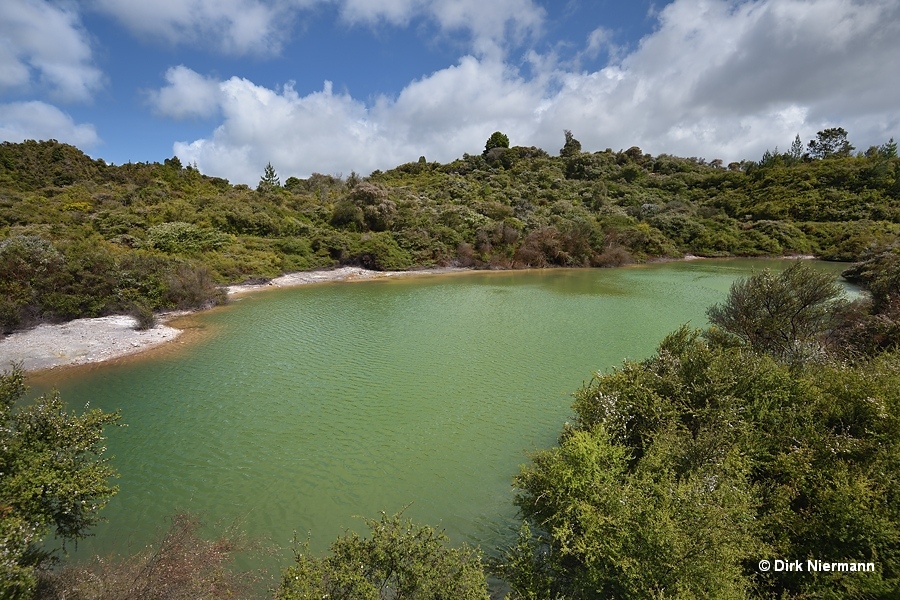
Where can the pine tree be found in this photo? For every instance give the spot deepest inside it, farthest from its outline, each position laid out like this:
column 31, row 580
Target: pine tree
column 796, row 152
column 269, row 180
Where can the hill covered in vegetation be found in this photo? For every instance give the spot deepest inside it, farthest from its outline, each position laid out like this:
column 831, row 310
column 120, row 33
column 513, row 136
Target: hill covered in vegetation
column 79, row 237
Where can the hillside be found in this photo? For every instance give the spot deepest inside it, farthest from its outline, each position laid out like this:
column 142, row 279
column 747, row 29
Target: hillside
column 79, row 237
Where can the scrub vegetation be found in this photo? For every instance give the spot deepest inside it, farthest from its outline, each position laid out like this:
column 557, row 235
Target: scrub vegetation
column 80, row 238
column 772, row 435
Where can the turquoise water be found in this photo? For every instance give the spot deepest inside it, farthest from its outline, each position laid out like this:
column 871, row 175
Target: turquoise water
column 303, row 409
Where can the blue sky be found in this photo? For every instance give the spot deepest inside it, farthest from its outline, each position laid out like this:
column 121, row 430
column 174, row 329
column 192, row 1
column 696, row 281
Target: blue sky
column 335, row 86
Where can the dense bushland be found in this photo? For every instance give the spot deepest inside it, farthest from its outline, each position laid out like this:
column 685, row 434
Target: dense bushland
column 79, row 237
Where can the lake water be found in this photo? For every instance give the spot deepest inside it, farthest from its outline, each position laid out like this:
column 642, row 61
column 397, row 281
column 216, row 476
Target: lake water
column 303, row 409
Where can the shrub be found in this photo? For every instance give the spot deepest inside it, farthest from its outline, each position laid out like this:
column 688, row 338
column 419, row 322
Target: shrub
column 682, row 470
column 379, row 252
column 184, row 238
column 181, row 565
column 55, row 479
column 784, row 315
column 399, row 560
column 144, row 316
column 193, row 287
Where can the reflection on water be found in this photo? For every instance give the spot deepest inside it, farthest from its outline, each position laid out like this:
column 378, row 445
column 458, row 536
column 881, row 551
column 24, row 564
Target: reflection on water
column 301, row 409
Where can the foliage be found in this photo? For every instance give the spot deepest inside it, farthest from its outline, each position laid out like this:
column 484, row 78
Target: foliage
column 53, row 479
column 180, row 565
column 872, row 325
column 184, row 238
column 269, row 180
column 684, row 470
column 830, row 143
column 572, row 147
column 398, row 560
column 79, row 237
column 785, row 315
column 497, row 140
column 144, row 316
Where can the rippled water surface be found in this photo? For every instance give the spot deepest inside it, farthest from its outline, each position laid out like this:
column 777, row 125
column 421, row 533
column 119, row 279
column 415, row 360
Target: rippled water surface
column 302, row 409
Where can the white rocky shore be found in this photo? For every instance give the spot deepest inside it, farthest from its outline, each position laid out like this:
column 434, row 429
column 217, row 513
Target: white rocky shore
column 342, row 274
column 95, row 340
column 80, row 342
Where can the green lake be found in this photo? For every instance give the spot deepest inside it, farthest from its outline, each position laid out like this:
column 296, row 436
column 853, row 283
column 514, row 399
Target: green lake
column 303, row 409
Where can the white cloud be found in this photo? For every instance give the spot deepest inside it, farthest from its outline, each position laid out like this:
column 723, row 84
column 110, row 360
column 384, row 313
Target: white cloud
column 43, row 45
column 438, row 116
column 35, row 120
column 716, row 78
column 322, row 131
column 233, row 26
column 730, row 79
column 187, row 95
column 262, row 26
column 491, row 25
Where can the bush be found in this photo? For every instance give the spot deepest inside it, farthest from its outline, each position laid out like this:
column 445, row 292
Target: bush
column 681, row 471
column 181, row 565
column 184, row 238
column 193, row 287
column 379, row 252
column 399, row 560
column 54, row 480
column 144, row 316
column 784, row 315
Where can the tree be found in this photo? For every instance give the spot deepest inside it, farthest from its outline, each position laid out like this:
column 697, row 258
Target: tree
column 53, row 478
column 497, row 140
column 796, row 152
column 399, row 560
column 572, row 147
column 269, row 180
column 784, row 315
column 830, row 143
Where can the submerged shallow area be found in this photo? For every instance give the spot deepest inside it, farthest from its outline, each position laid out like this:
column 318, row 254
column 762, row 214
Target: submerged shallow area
column 302, row 409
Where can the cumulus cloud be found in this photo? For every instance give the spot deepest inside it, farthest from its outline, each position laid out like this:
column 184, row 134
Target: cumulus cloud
column 43, row 45
column 262, row 26
column 321, row 131
column 35, row 120
column 233, row 26
column 188, row 94
column 438, row 116
column 716, row 78
column 491, row 25
column 731, row 78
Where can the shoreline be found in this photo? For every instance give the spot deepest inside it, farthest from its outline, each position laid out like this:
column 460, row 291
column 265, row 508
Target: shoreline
column 95, row 340
column 328, row 276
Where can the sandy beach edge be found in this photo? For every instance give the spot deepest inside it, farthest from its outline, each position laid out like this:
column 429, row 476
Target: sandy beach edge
column 86, row 341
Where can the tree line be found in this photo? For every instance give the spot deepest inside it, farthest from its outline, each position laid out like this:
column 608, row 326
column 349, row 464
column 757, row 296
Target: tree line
column 80, row 237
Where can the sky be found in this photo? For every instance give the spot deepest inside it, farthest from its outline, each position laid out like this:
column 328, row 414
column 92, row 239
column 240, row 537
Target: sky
column 341, row 86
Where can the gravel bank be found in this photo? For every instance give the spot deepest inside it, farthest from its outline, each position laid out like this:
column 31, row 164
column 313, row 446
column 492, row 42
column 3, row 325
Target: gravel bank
column 79, row 342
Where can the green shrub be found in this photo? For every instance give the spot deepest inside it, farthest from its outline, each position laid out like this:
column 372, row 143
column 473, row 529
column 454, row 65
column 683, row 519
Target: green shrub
column 398, row 560
column 144, row 316
column 380, row 252
column 184, row 238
